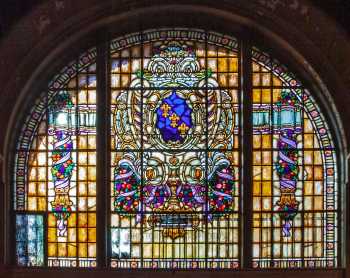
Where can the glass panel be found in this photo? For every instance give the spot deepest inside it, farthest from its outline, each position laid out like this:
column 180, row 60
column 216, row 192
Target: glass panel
column 30, row 240
column 56, row 170
column 175, row 204
column 294, row 193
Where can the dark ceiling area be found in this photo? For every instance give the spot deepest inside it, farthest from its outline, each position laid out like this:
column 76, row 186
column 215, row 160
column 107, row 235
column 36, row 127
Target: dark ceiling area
column 12, row 10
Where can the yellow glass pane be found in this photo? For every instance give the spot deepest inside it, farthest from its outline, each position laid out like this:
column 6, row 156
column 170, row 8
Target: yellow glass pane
column 92, row 173
column 318, row 172
column 266, row 189
column 256, row 95
column 51, row 234
column 222, row 80
column 222, row 64
column 256, row 141
column 52, row 249
column 41, row 203
column 92, row 220
column 92, row 234
column 256, row 173
column 233, row 65
column 82, row 247
column 72, row 250
column 92, row 142
column 276, row 95
column 266, row 96
column 317, row 158
column 276, row 81
column 308, row 188
column 72, row 220
column 308, row 126
column 256, row 188
column 62, row 249
column 308, row 140
column 33, row 173
column 82, row 234
column 266, row 141
column 256, row 67
column 82, row 220
column 51, row 220
column 318, row 202
column 125, row 80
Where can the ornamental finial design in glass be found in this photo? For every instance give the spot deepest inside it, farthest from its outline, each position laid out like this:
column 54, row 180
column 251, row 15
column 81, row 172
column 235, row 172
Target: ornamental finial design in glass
column 289, row 125
column 175, row 123
column 60, row 122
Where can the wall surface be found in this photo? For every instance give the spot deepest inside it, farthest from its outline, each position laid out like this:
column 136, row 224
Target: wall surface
column 50, row 34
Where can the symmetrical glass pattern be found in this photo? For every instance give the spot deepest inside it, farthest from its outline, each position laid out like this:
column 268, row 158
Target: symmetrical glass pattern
column 175, row 143
column 176, row 161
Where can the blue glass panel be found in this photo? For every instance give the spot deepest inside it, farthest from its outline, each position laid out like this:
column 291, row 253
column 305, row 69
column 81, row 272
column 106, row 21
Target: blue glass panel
column 30, row 240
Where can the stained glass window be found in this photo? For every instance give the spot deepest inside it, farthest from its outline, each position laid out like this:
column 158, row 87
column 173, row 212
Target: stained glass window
column 177, row 154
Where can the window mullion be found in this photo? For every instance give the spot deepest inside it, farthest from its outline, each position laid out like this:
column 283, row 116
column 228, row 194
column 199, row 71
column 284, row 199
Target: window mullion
column 103, row 152
column 246, row 147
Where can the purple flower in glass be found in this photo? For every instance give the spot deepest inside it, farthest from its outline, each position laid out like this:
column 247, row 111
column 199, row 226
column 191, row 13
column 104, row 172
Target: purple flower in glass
column 174, row 118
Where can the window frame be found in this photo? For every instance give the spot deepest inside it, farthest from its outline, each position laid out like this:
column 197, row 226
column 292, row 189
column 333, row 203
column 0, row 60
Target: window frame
column 103, row 155
column 277, row 43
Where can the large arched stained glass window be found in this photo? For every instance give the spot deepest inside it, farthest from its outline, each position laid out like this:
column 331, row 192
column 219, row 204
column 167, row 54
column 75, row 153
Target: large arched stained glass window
column 178, row 153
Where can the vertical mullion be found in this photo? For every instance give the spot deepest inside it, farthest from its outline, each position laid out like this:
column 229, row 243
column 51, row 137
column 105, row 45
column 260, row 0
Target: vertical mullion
column 103, row 150
column 247, row 145
column 207, row 207
column 142, row 151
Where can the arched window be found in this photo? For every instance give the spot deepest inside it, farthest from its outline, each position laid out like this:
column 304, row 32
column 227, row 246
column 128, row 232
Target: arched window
column 192, row 149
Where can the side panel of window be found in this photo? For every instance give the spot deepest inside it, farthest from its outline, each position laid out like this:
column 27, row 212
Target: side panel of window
column 295, row 176
column 56, row 171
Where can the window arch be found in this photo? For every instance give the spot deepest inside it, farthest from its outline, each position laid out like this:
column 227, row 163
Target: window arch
column 217, row 157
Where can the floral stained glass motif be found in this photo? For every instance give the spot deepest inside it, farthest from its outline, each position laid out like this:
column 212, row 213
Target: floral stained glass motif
column 56, row 170
column 294, row 173
column 175, row 136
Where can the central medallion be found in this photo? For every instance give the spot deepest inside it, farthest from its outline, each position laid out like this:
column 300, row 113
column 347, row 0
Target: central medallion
column 174, row 118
